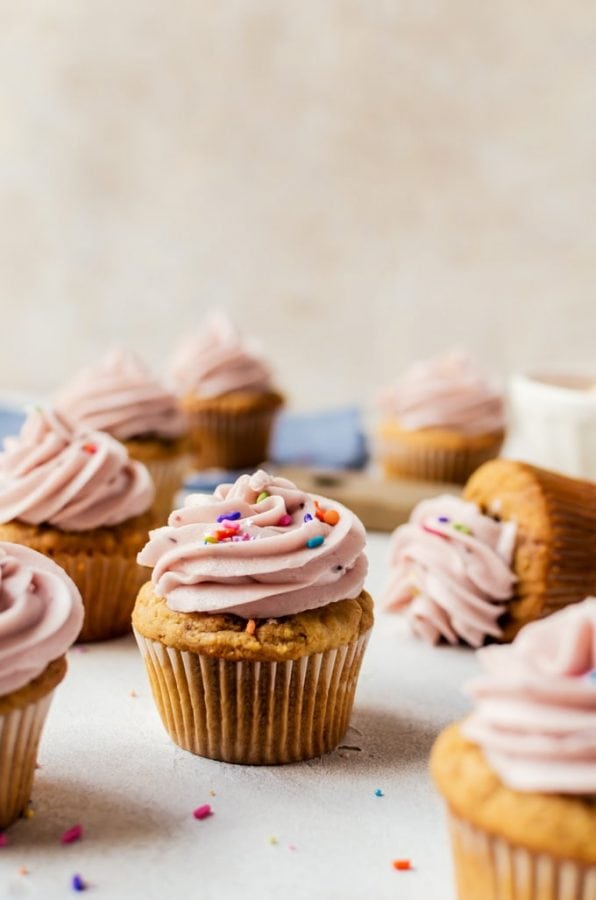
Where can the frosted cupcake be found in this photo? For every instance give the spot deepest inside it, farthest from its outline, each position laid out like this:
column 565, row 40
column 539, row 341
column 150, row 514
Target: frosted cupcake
column 519, row 546
column 519, row 775
column 255, row 622
column 79, row 499
column 442, row 419
column 226, row 392
column 40, row 616
column 120, row 395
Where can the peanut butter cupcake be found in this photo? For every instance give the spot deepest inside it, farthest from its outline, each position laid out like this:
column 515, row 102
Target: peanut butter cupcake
column 120, row 395
column 78, row 498
column 226, row 392
column 519, row 775
column 40, row 616
column 255, row 622
column 520, row 545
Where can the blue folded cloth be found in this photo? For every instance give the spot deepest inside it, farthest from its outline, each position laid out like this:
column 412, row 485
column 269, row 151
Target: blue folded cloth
column 11, row 420
column 331, row 439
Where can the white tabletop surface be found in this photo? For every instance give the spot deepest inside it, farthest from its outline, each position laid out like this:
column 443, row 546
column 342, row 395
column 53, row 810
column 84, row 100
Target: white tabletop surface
column 107, row 763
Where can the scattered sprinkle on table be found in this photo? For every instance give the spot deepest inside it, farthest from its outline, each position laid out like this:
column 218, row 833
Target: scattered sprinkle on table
column 77, row 883
column 273, row 841
column 23, row 870
column 212, row 794
column 133, row 694
column 379, row 793
column 402, row 865
column 203, row 812
column 292, row 847
column 72, row 834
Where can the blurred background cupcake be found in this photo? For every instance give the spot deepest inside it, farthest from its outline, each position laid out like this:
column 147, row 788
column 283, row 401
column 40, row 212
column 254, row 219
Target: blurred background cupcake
column 40, row 616
column 77, row 497
column 226, row 392
column 441, row 420
column 519, row 775
column 121, row 396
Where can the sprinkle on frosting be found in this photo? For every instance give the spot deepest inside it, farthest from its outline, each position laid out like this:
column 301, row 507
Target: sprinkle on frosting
column 41, row 614
column 450, row 569
column 448, row 392
column 47, row 475
column 217, row 361
column 121, row 396
column 535, row 713
column 264, row 568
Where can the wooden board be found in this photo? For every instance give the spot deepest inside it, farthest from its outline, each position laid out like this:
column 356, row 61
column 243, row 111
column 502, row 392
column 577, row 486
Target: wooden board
column 381, row 504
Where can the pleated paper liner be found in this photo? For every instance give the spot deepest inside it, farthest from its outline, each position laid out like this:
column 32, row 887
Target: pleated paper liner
column 109, row 585
column 20, row 732
column 434, row 455
column 490, row 868
column 555, row 554
column 254, row 713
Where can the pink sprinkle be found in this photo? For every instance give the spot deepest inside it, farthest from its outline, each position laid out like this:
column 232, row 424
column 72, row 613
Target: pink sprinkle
column 73, row 834
column 434, row 531
column 286, row 519
column 246, row 536
column 3, row 840
column 203, row 812
column 292, row 847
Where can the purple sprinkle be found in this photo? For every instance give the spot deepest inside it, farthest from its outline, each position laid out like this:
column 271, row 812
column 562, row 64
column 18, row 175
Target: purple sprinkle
column 231, row 516
column 308, row 517
column 443, row 519
column 77, row 883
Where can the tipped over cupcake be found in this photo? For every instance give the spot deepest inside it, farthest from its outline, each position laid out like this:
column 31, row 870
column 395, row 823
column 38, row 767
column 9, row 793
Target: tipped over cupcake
column 519, row 775
column 226, row 391
column 441, row 420
column 255, row 622
column 519, row 545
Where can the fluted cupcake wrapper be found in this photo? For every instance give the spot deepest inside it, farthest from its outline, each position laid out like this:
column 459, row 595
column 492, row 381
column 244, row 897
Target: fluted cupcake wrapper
column 168, row 477
column 109, row 585
column 433, row 463
column 230, row 440
column 255, row 713
column 491, row 868
column 20, row 733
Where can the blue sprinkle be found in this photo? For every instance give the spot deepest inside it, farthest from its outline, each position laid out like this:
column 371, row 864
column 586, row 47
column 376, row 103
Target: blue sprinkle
column 231, row 516
column 308, row 517
column 78, row 884
column 379, row 793
column 443, row 519
column 315, row 542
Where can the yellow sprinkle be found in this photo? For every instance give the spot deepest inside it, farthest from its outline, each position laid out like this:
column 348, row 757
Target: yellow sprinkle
column 273, row 841
column 29, row 813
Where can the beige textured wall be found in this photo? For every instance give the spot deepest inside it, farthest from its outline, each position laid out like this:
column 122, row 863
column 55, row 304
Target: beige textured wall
column 359, row 183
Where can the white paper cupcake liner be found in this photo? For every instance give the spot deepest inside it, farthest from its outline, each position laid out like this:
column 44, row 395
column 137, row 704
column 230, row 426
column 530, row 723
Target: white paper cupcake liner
column 255, row 713
column 20, row 732
column 231, row 440
column 490, row 868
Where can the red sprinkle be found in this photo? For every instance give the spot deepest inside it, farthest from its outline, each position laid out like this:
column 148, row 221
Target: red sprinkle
column 285, row 520
column 3, row 840
column 433, row 531
column 90, row 448
column 203, row 812
column 73, row 834
column 402, row 865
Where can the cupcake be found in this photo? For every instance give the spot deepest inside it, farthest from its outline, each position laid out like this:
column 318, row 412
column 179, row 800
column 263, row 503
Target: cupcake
column 40, row 616
column 441, row 420
column 79, row 499
column 120, row 395
column 519, row 545
column 255, row 622
column 226, row 391
column 519, row 775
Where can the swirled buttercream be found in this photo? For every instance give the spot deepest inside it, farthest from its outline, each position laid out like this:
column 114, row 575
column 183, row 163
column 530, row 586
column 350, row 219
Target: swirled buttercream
column 75, row 480
column 258, row 548
column 218, row 361
column 535, row 704
column 41, row 614
column 448, row 392
column 121, row 396
column 450, row 569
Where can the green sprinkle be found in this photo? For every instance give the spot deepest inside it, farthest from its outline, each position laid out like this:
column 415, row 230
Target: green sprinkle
column 209, row 539
column 262, row 496
column 463, row 528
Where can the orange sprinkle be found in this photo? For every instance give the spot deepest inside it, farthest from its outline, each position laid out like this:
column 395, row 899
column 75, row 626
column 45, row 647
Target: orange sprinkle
column 251, row 626
column 331, row 517
column 22, row 870
column 402, row 865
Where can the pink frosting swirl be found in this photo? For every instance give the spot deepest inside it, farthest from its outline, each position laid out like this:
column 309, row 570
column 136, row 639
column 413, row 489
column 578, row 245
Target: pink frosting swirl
column 74, row 480
column 535, row 714
column 41, row 614
column 448, row 392
column 257, row 548
column 450, row 565
column 217, row 361
column 121, row 396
